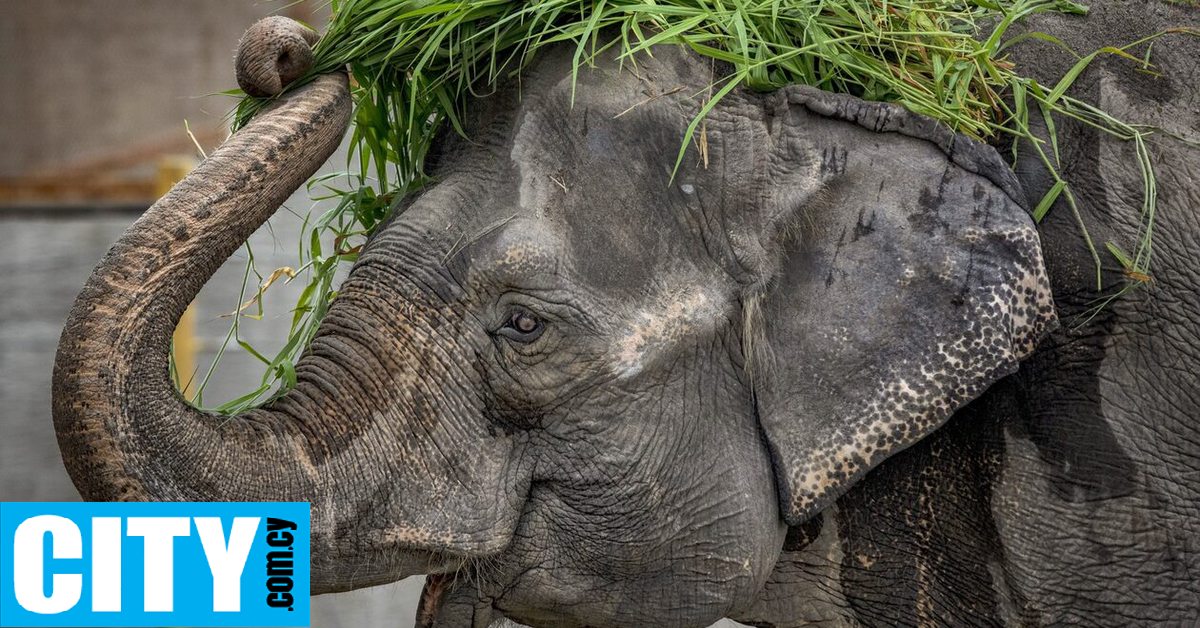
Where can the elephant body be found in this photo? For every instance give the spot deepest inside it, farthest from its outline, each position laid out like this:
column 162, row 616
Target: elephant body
column 578, row 387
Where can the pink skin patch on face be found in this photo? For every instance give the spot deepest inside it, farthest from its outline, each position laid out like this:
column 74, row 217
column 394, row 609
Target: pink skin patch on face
column 673, row 316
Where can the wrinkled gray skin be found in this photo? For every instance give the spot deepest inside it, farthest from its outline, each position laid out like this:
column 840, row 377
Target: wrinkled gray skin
column 1069, row 493
column 714, row 361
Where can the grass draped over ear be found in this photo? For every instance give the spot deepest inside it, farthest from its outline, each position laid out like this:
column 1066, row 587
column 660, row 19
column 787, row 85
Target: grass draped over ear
column 417, row 63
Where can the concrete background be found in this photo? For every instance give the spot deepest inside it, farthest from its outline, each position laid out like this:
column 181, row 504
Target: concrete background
column 84, row 83
column 84, row 79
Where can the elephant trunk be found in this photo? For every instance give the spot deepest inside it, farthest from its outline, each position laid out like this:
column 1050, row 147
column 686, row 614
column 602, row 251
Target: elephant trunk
column 124, row 431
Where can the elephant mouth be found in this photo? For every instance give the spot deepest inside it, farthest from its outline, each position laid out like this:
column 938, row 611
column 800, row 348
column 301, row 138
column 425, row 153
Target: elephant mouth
column 454, row 599
column 433, row 610
column 436, row 588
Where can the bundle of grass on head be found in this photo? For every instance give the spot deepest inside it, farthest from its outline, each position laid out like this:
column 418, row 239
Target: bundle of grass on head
column 417, row 63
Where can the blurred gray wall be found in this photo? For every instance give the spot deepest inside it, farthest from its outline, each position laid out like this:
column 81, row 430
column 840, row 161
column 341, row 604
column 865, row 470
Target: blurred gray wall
column 80, row 79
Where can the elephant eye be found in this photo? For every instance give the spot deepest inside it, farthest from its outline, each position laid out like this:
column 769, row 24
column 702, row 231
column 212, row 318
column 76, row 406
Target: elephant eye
column 522, row 326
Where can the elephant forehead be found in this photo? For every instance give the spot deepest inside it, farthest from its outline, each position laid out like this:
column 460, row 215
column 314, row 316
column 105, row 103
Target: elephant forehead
column 566, row 157
column 517, row 252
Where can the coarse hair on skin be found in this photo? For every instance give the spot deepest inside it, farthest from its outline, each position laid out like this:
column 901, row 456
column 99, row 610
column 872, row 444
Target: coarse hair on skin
column 787, row 230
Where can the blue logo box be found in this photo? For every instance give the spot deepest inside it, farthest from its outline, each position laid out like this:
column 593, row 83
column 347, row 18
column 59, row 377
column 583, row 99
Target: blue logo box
column 154, row 564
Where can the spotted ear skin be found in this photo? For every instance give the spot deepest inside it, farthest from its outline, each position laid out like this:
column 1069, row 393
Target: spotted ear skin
column 914, row 281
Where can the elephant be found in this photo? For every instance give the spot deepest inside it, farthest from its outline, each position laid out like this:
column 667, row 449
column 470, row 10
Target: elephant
column 829, row 372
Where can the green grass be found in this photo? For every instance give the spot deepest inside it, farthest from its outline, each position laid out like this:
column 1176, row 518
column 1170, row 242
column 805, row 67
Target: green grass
column 416, row 64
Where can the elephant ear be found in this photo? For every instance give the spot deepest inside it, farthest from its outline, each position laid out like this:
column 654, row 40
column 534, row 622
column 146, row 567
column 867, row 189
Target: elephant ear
column 895, row 276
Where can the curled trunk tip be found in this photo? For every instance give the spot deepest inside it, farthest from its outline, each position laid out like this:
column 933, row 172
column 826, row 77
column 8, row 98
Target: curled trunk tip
column 274, row 52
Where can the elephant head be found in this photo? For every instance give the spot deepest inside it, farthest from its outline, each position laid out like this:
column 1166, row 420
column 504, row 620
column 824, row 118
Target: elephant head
column 597, row 393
